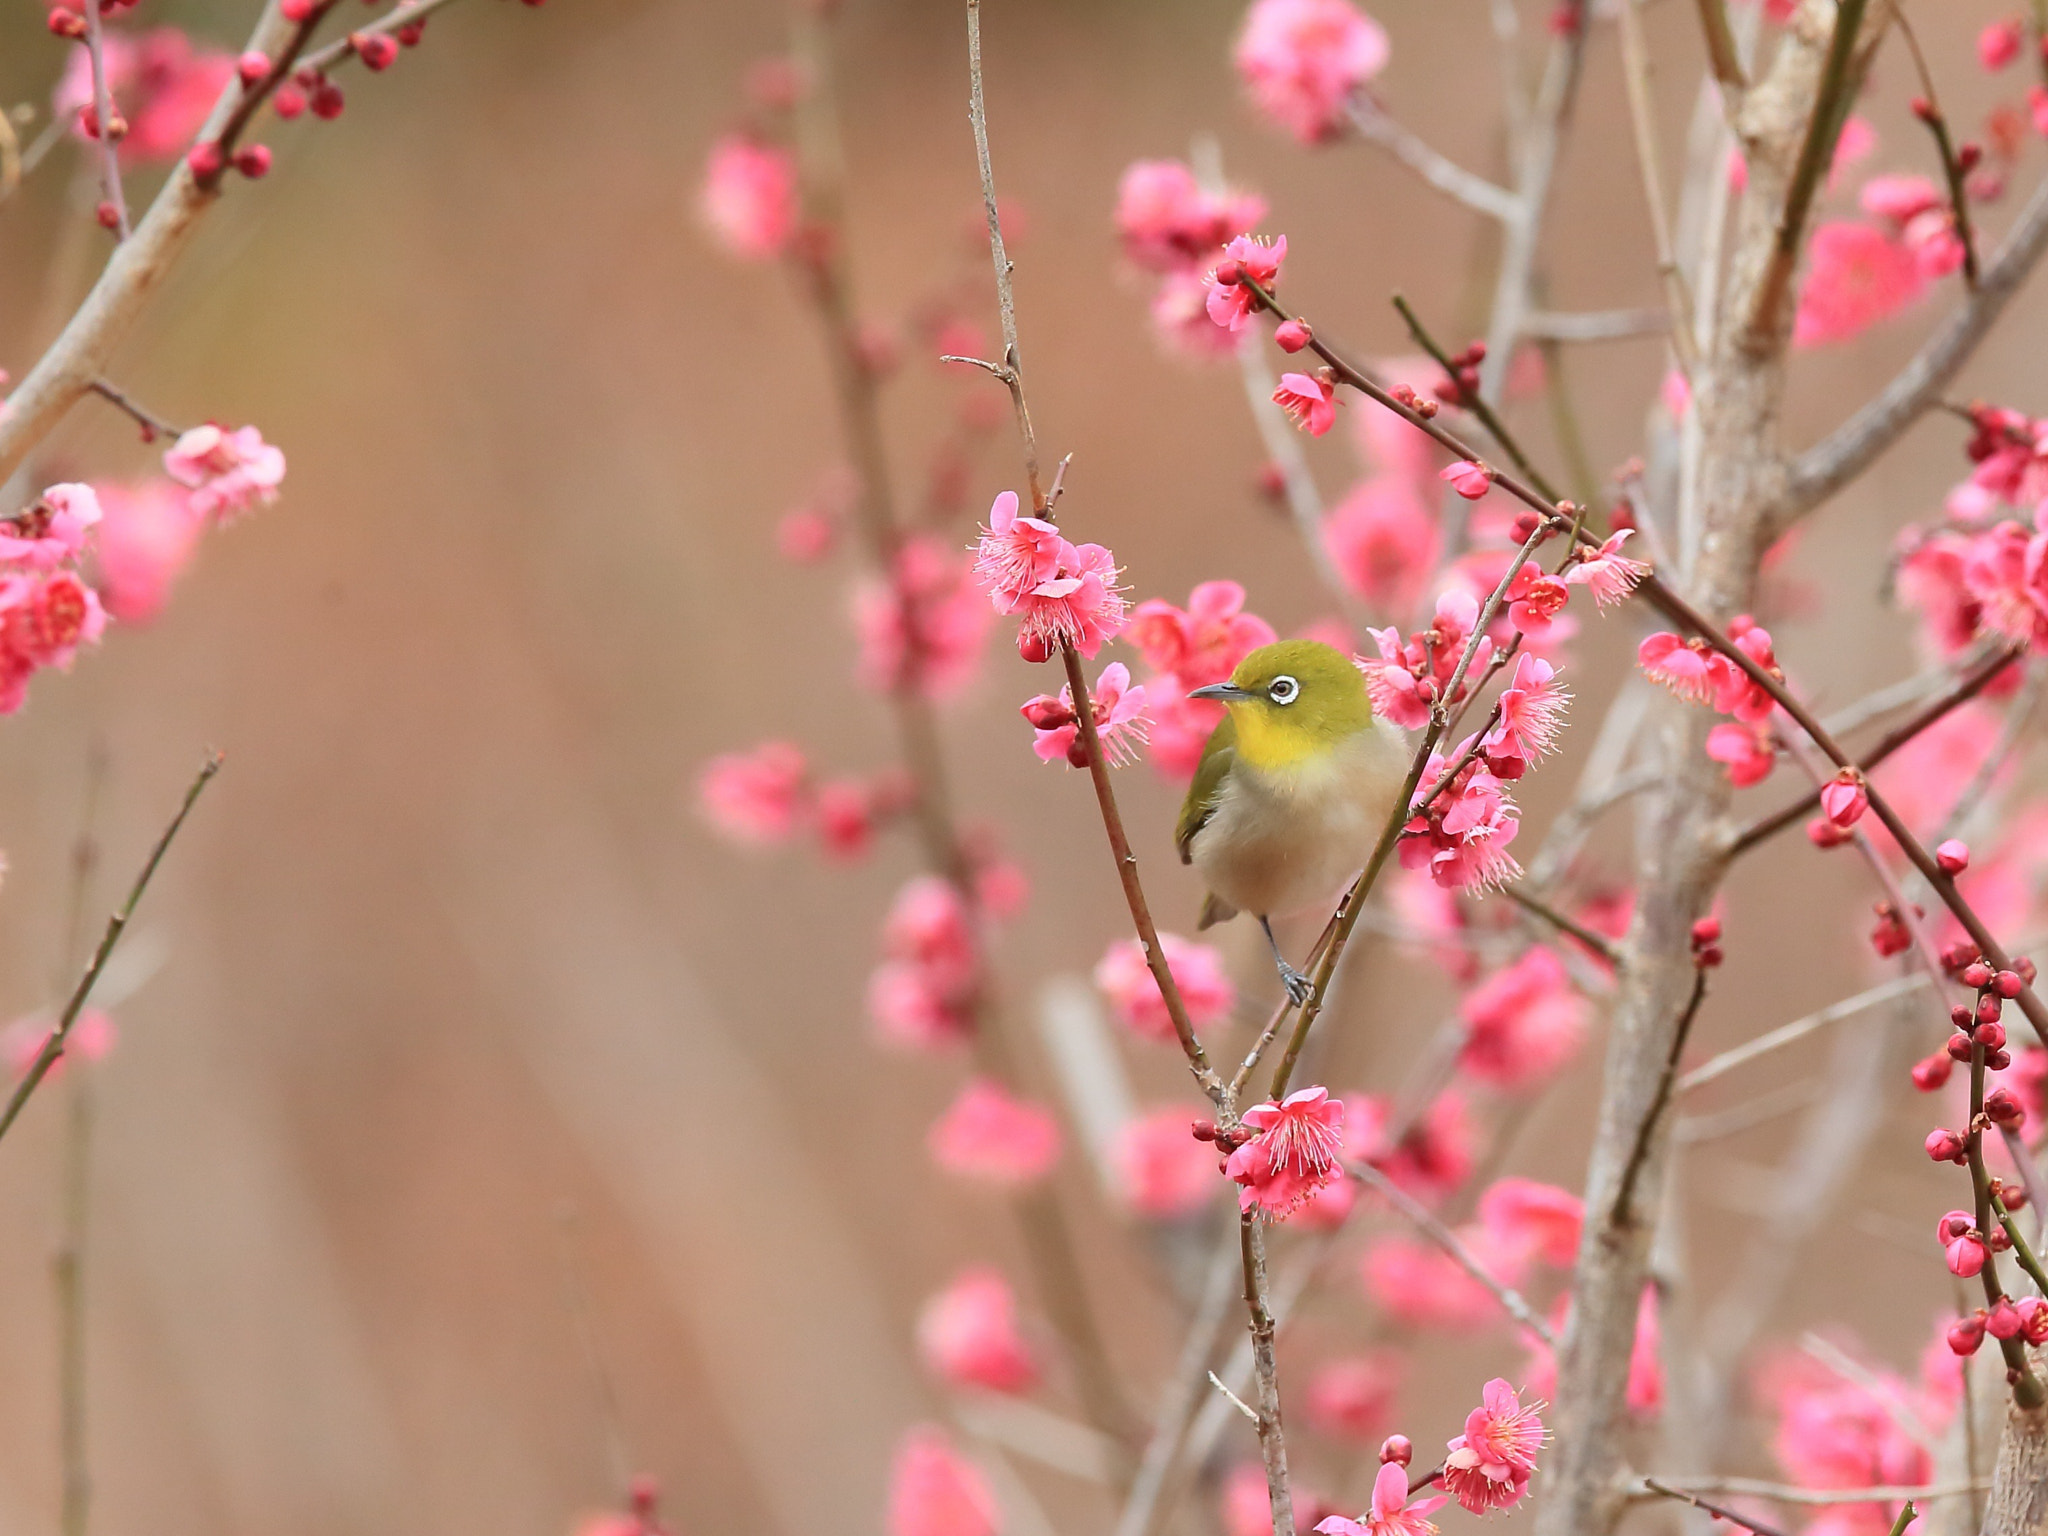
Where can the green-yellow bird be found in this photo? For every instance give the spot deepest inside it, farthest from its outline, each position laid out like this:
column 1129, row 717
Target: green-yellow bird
column 1294, row 787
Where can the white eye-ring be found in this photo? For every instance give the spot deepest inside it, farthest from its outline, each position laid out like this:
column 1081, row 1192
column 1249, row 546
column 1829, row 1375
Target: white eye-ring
column 1284, row 690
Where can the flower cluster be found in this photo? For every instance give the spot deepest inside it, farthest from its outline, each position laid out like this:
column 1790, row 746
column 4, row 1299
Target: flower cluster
column 767, row 795
column 921, row 629
column 1462, row 837
column 1295, row 1150
column 1190, row 648
column 162, row 85
column 1133, row 992
column 1172, row 226
column 46, row 610
column 1488, row 1467
column 1117, row 708
column 1061, row 594
column 1302, row 60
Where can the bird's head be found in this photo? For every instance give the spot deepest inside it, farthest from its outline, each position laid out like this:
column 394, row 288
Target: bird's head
column 1292, row 702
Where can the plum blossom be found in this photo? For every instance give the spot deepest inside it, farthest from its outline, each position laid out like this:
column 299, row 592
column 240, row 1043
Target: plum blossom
column 935, row 1491
column 147, row 535
column 994, row 1138
column 1961, row 1243
column 1293, row 1153
column 1468, row 479
column 1160, row 1169
column 2000, row 42
column 1169, row 223
column 920, row 631
column 759, row 796
column 1534, row 1219
column 1645, row 1387
column 749, row 198
column 1432, row 1160
column 922, row 994
column 1857, row 275
column 1532, row 710
column 1679, row 664
column 1523, row 1022
column 1065, row 594
column 1231, row 303
column 1202, row 643
column 1134, row 997
column 1246, row 1505
column 1302, row 59
column 1410, row 675
column 1747, row 752
column 1353, row 1398
column 968, row 1336
column 1391, row 1513
column 1608, row 574
column 1462, row 839
column 1180, row 317
column 1416, row 1283
column 1118, row 709
column 227, row 471
column 53, row 531
column 1488, row 1466
column 163, row 87
column 1382, row 538
column 45, row 616
column 1312, row 402
column 1835, row 1434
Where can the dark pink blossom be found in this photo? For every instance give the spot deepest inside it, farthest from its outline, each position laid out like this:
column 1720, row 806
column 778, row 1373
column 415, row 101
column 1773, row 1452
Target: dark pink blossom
column 934, row 1491
column 1064, row 594
column 1416, row 1283
column 1353, row 1398
column 53, row 531
column 749, row 198
column 1962, row 1245
column 1293, row 1153
column 1535, row 1219
column 1382, row 538
column 1463, row 838
column 1468, row 479
column 1523, row 1022
column 1432, row 1160
column 2000, row 43
column 968, row 1335
column 147, row 536
column 1309, row 400
column 1302, row 59
column 1857, row 275
column 1746, row 751
column 1134, row 997
column 994, row 1138
column 1169, row 223
column 1391, row 1513
column 1680, row 665
column 1232, row 305
column 1488, row 1466
column 1181, row 727
column 921, row 630
column 45, row 616
column 163, row 88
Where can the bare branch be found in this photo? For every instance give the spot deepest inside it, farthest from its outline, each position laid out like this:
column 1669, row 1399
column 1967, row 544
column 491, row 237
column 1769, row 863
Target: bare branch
column 1597, row 325
column 1440, row 171
column 1515, row 1304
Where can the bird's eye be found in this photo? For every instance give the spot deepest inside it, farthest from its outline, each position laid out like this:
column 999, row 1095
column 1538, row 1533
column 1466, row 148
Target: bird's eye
column 1284, row 690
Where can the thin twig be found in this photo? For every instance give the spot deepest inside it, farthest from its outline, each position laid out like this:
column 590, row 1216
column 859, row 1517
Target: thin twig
column 1721, row 54
column 107, row 122
column 1440, row 171
column 1944, row 145
column 1598, row 943
column 1635, row 63
column 1475, row 403
column 343, row 49
column 576, row 1298
column 1594, row 325
column 55, row 1041
column 1739, row 1521
column 1265, row 1372
column 1624, row 1197
column 1515, row 1304
column 1788, row 1493
column 153, row 426
column 1798, row 1029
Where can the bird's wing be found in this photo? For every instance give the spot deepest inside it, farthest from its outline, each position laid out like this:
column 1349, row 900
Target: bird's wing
column 1217, row 757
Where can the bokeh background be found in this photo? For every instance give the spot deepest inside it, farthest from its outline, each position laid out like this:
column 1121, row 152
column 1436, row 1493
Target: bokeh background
column 446, row 953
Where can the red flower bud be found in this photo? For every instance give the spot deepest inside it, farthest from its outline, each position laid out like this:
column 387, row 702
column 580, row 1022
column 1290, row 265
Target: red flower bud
column 1997, row 1061
column 2033, row 1313
column 253, row 160
column 2025, row 967
column 204, row 158
column 2008, row 984
column 297, row 12
column 1965, row 1334
column 253, row 66
column 288, row 102
column 1923, row 109
column 1963, row 1016
column 2003, row 1108
column 1077, row 752
column 2003, row 1321
column 1958, row 955
column 67, row 23
column 327, row 101
column 1047, row 713
column 1989, row 1007
column 1396, row 1449
column 108, row 215
column 1229, row 274
column 1932, row 1072
column 1823, row 833
column 1707, row 930
column 1968, row 155
column 1710, row 957
column 1946, row 1146
column 1843, row 799
column 1203, row 1130
column 1033, row 647
column 375, row 49
column 1293, row 335
column 1976, row 974
column 1998, row 1240
column 1959, row 1046
column 1953, row 856
column 1990, row 1036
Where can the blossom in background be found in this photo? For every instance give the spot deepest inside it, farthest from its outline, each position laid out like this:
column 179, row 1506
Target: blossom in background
column 2000, row 43
column 1135, row 1001
column 1833, row 1433
column 922, row 629
column 1181, row 728
column 1160, row 1169
column 1382, row 538
column 749, row 198
column 1301, row 60
column 1118, row 709
column 1857, row 275
column 147, row 536
column 1432, row 1159
column 227, row 471
column 1231, row 304
column 1202, row 643
column 1488, row 1466
column 51, row 532
column 92, row 1036
column 1353, row 1398
column 1246, row 1504
column 1747, row 752
column 992, row 1137
column 1533, row 1219
column 968, row 1334
column 1645, row 1389
column 1416, row 1283
column 1523, row 1022
column 1293, row 1153
column 758, row 796
column 1064, row 594
column 1391, row 1513
column 935, row 1491
column 922, row 994
column 1310, row 401
column 1169, row 223
column 1180, row 317
column 162, row 85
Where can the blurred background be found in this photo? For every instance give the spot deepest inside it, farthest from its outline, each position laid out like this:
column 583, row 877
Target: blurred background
column 446, row 953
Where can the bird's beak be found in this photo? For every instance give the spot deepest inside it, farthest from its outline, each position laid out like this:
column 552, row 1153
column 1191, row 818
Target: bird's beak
column 1227, row 693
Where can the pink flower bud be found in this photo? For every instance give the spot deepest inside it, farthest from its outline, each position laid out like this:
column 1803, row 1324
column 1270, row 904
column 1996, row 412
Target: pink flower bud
column 1962, row 1245
column 108, row 215
column 1229, row 274
column 1932, row 1072
column 2003, row 1321
column 1033, row 647
column 1047, row 713
column 327, row 101
column 1707, row 931
column 1989, row 1007
column 1965, row 1334
column 1997, row 1061
column 67, row 23
column 1468, row 479
column 1397, row 1451
column 1999, row 43
column 297, row 12
column 1823, row 833
column 1976, row 974
column 1990, row 1036
column 1963, row 1016
column 1953, row 856
column 375, row 49
column 1946, row 1146
column 2008, row 984
column 1843, row 799
column 2003, row 1108
column 1998, row 1239
column 288, row 101
column 205, row 159
column 1959, row 1046
column 1293, row 335
column 253, row 160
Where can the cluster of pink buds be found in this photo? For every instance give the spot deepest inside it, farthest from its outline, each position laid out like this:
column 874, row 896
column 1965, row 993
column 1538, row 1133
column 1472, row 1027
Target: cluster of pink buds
column 1115, row 705
column 1892, row 933
column 67, row 19
column 1462, row 384
column 1706, row 943
column 2025, row 1319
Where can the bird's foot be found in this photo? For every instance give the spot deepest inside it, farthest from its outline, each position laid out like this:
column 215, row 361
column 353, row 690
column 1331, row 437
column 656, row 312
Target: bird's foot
column 1298, row 986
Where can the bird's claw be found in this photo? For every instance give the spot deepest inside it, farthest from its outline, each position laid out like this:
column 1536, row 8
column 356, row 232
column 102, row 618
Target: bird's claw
column 1298, row 986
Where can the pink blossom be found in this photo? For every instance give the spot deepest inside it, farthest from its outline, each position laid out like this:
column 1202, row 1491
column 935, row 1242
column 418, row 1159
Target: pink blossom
column 1134, row 996
column 1431, row 1161
column 1929, row 578
column 92, row 1036
column 45, row 616
column 757, row 796
column 989, row 1136
column 1843, row 799
column 1302, row 59
column 1065, row 594
column 1523, row 1022
column 1675, row 394
column 1180, row 317
column 1488, row 1466
column 162, row 86
column 1246, row 1505
column 1645, row 1391
column 968, row 1334
column 1233, row 305
column 922, row 630
column 1962, row 1245
column 1161, row 1170
column 1410, row 675
column 146, row 538
column 51, row 532
column 1532, row 710
column 2000, row 42
column 1168, row 223
column 1181, row 728
column 1203, row 643
column 934, row 1491
column 1680, row 665
column 227, row 471
column 1936, row 246
column 1857, row 275
column 1391, row 1513
column 1609, row 574
column 1852, row 147
column 929, row 925
column 750, row 197
column 1899, row 198
column 1837, row 1434
column 1924, row 778
column 1734, row 693
column 1353, row 1398
column 1462, row 839
column 1535, row 599
column 1468, row 479
column 1382, row 538
column 1539, row 1220
column 1311, row 402
column 1121, row 723
column 1417, row 1284
column 1746, row 750
column 912, row 1011
column 1293, row 1154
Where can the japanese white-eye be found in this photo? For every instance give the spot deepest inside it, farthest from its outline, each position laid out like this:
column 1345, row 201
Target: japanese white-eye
column 1293, row 789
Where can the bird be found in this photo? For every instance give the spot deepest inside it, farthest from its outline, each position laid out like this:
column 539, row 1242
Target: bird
column 1293, row 789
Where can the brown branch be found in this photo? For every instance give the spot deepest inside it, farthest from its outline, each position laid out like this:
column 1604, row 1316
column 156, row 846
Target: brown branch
column 2026, row 1386
column 1476, row 404
column 1439, row 170
column 343, row 49
column 1512, row 1301
column 1598, row 943
column 1944, row 144
column 1623, row 1214
column 54, row 1043
column 153, row 426
column 1265, row 1371
column 1721, row 55
column 104, row 112
column 1740, row 1521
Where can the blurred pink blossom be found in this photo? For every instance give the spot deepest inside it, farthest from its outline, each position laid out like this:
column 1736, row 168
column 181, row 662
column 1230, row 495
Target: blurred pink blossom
column 989, row 1136
column 1416, row 1283
column 1301, row 60
column 146, row 538
column 968, row 1334
column 1523, row 1022
column 1134, row 998
column 1382, row 537
column 1232, row 305
column 1353, row 1398
column 1168, row 223
column 1533, row 1219
column 749, row 198
column 1857, row 275
column 227, row 471
column 45, row 616
column 1202, row 643
column 758, row 796
column 162, row 85
column 922, row 630
column 52, row 531
column 93, row 1035
column 1161, row 1170
column 935, row 1491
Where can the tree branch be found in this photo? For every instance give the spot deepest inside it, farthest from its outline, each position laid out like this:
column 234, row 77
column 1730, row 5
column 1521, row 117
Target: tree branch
column 1440, row 171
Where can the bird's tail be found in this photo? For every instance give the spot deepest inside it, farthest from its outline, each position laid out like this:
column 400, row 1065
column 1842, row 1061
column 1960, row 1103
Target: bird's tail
column 1214, row 910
